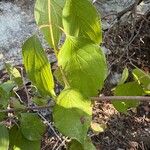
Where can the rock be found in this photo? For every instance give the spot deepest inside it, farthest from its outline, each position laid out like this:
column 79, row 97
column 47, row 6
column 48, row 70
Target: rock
column 15, row 26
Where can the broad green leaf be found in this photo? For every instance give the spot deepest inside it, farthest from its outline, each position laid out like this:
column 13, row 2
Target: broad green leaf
column 4, row 97
column 124, row 76
column 88, row 145
column 84, row 65
column 31, row 126
column 5, row 92
column 37, row 66
column 19, row 142
column 2, row 116
column 16, row 104
column 142, row 77
column 14, row 74
column 127, row 89
column 7, row 86
column 40, row 101
column 72, row 114
column 80, row 18
column 48, row 16
column 75, row 145
column 4, row 138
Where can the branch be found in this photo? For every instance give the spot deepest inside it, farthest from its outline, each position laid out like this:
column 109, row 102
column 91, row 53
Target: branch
column 131, row 7
column 102, row 98
column 11, row 110
column 124, row 98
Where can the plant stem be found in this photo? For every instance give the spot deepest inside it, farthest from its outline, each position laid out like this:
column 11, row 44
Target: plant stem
column 119, row 98
column 101, row 98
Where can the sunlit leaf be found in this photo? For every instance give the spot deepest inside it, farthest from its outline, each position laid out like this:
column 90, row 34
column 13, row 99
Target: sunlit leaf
column 72, row 114
column 4, row 138
column 48, row 16
column 124, row 76
column 127, row 89
column 37, row 66
column 80, row 18
column 14, row 74
column 142, row 77
column 84, row 65
column 97, row 128
column 31, row 126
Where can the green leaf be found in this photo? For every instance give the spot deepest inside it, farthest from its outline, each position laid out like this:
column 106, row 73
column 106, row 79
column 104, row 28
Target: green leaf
column 72, row 114
column 3, row 97
column 127, row 89
column 7, row 86
column 31, row 126
column 18, row 142
column 75, row 145
column 124, row 76
column 2, row 116
column 88, row 145
column 14, row 74
column 4, row 138
column 80, row 18
column 48, row 16
column 5, row 92
column 84, row 65
column 142, row 77
column 37, row 66
column 40, row 101
column 16, row 104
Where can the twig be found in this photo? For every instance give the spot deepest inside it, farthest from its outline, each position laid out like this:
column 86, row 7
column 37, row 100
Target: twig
column 25, row 88
column 49, row 124
column 62, row 143
column 131, row 7
column 10, row 110
column 119, row 98
column 101, row 98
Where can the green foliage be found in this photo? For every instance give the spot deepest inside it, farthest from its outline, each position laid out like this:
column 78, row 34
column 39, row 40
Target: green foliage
column 48, row 18
column 37, row 66
column 2, row 116
column 72, row 114
column 4, row 138
column 84, row 65
column 81, row 19
column 31, row 126
column 124, row 76
column 143, row 79
column 81, row 70
column 75, row 145
column 5, row 92
column 19, row 142
column 127, row 89
column 14, row 74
